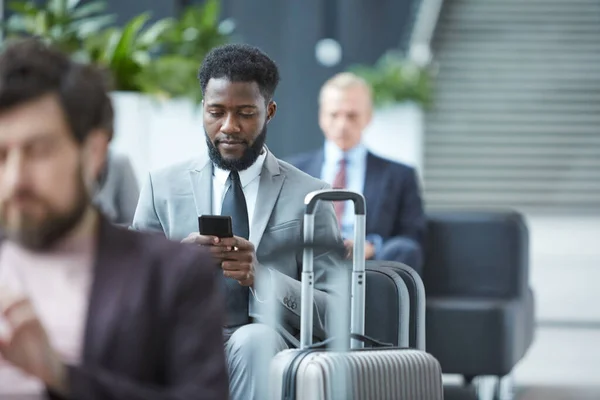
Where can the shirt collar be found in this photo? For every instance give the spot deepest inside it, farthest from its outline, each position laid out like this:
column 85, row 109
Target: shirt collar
column 334, row 155
column 247, row 175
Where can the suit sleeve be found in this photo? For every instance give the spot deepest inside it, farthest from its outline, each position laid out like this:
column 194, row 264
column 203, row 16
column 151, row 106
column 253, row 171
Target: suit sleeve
column 326, row 260
column 195, row 366
column 145, row 217
column 410, row 220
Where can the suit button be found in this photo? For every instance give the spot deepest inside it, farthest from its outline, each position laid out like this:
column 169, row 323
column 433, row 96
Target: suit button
column 286, row 301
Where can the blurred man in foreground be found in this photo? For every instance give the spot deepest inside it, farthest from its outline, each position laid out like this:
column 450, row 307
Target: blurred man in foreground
column 395, row 218
column 88, row 310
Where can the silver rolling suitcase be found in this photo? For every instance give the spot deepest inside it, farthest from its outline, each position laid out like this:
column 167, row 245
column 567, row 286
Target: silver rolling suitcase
column 314, row 373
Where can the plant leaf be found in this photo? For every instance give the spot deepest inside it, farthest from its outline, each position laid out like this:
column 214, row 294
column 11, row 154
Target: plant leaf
column 395, row 79
column 22, row 7
column 173, row 75
column 41, row 24
column 124, row 47
column 88, row 9
column 124, row 62
column 141, row 57
column 57, row 7
column 92, row 25
column 72, row 4
column 106, row 44
column 151, row 34
column 209, row 13
column 15, row 24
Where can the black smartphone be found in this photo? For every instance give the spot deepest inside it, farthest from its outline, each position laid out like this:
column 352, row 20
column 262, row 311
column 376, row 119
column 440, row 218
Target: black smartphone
column 215, row 225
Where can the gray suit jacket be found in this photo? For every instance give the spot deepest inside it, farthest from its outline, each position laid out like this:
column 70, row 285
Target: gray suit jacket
column 172, row 198
column 118, row 190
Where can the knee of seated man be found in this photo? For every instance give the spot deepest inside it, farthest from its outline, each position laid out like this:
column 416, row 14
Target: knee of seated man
column 252, row 337
column 404, row 250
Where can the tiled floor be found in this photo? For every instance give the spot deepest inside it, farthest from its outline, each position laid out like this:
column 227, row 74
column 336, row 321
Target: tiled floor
column 561, row 356
column 560, row 393
column 564, row 360
column 565, row 266
column 562, row 364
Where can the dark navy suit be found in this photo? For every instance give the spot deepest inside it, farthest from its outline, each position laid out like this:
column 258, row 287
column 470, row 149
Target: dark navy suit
column 395, row 218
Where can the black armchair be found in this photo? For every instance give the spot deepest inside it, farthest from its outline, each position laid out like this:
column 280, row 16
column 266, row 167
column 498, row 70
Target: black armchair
column 480, row 309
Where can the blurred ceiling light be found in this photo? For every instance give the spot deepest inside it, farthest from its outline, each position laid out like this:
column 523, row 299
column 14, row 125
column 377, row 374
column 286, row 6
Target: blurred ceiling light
column 328, row 52
column 227, row 26
column 420, row 54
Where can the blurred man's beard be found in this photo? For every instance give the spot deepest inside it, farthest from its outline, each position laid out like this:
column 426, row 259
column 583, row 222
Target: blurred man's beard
column 250, row 155
column 39, row 234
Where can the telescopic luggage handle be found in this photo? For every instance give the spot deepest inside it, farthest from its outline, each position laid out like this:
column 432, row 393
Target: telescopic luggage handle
column 357, row 316
column 311, row 199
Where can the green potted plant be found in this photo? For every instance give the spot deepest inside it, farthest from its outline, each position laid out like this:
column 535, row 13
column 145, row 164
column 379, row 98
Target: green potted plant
column 66, row 24
column 160, row 58
column 395, row 79
column 128, row 51
column 401, row 92
column 183, row 46
column 153, row 66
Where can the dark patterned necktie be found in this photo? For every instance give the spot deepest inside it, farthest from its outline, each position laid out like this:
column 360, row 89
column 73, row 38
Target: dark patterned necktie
column 234, row 204
column 236, row 295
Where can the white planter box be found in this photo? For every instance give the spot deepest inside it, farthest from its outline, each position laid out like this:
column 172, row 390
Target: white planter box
column 396, row 132
column 155, row 133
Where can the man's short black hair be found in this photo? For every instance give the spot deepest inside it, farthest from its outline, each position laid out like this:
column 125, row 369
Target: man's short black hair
column 30, row 69
column 240, row 63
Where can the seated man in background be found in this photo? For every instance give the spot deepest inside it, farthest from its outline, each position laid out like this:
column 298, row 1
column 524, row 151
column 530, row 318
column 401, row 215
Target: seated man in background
column 88, row 311
column 395, row 219
column 238, row 176
column 117, row 191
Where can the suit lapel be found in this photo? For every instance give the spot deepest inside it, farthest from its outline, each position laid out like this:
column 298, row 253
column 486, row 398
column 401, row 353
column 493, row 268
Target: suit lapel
column 201, row 178
column 112, row 271
column 373, row 188
column 271, row 181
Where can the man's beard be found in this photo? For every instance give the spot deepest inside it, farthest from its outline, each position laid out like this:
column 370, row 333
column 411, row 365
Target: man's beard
column 250, row 155
column 41, row 234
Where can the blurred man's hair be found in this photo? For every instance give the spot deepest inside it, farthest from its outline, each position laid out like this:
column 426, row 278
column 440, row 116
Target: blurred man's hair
column 30, row 69
column 240, row 63
column 345, row 81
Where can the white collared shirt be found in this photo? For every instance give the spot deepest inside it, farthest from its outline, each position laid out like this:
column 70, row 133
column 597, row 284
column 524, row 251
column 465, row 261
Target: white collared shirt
column 250, row 179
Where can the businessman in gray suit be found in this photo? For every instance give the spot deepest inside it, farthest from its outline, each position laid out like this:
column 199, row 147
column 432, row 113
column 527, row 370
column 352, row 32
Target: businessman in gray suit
column 239, row 176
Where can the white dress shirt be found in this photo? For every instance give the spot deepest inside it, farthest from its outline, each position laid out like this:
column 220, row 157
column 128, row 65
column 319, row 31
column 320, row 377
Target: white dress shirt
column 250, row 179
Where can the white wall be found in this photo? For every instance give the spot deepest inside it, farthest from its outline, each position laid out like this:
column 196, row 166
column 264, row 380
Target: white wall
column 153, row 133
column 396, row 132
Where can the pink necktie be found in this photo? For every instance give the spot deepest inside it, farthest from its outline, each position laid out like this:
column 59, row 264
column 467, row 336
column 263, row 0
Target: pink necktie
column 340, row 183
